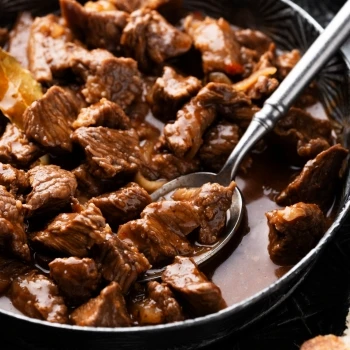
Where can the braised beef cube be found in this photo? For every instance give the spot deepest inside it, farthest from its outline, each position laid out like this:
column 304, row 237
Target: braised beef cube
column 48, row 120
column 16, row 149
column 184, row 277
column 150, row 39
column 10, row 269
column 218, row 143
column 4, row 36
column 216, row 41
column 52, row 189
column 160, row 306
column 47, row 54
column 36, row 296
column 73, row 234
column 15, row 181
column 161, row 232
column 294, row 231
column 74, row 91
column 253, row 39
column 120, row 261
column 312, row 148
column 211, row 202
column 106, row 310
column 297, row 128
column 170, row 92
column 123, row 205
column 103, row 113
column 13, row 238
column 263, row 88
column 115, row 78
column 77, row 279
column 98, row 29
column 109, row 152
column 19, row 38
column 184, row 136
column 286, row 62
column 318, row 180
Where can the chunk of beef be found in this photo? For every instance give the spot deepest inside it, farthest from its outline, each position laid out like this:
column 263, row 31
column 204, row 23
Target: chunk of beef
column 253, row 40
column 13, row 238
column 37, row 296
column 48, row 120
column 73, row 234
column 16, row 149
column 218, row 143
column 98, row 29
column 267, row 59
column 115, row 78
column 317, row 181
column 109, row 152
column 211, row 202
column 150, row 39
column 4, row 36
column 161, row 232
column 103, row 113
column 215, row 39
column 77, row 279
column 294, row 231
column 286, row 62
column 296, row 130
column 170, row 92
column 160, row 306
column 10, row 269
column 123, row 205
column 184, row 136
column 106, row 310
column 19, row 38
column 52, row 189
column 203, row 296
column 120, row 261
column 15, row 181
column 47, row 54
column 263, row 88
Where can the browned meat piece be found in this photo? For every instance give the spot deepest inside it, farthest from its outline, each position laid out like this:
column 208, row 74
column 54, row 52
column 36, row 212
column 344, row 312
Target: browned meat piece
column 170, row 92
column 286, row 62
column 184, row 137
column 161, row 232
column 4, row 36
column 160, row 306
column 16, row 149
column 73, row 234
column 9, row 270
column 203, row 296
column 37, row 296
column 132, row 5
column 98, row 29
column 123, row 205
column 103, row 113
column 120, row 262
column 325, row 342
column 317, row 181
column 294, row 231
column 218, row 143
column 19, row 38
column 150, row 39
column 263, row 88
column 215, row 39
column 211, row 202
column 13, row 238
column 47, row 54
column 115, row 78
column 267, row 59
column 48, row 120
column 77, row 279
column 52, row 189
column 106, row 310
column 296, row 130
column 253, row 40
column 109, row 152
column 15, row 181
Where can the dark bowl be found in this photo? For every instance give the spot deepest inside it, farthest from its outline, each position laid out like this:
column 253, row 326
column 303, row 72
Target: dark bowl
column 290, row 27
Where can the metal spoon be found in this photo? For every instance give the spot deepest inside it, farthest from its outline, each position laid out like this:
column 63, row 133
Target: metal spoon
column 263, row 122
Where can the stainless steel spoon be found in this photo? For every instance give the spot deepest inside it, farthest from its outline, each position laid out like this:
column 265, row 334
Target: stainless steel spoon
column 263, row 122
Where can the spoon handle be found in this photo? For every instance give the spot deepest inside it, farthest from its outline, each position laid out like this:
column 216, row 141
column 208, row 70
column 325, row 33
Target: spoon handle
column 281, row 100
